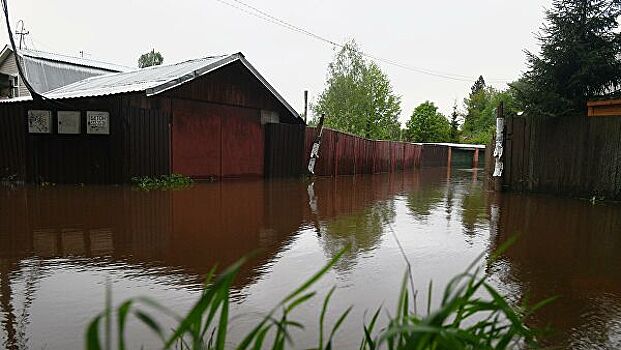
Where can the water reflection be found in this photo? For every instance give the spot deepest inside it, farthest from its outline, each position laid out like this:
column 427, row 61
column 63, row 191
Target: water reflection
column 59, row 245
column 570, row 249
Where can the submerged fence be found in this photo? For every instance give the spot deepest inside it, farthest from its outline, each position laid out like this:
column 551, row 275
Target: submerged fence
column 345, row 154
column 577, row 156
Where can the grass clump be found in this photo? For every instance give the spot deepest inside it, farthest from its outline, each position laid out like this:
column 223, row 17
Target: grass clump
column 464, row 319
column 162, row 182
column 9, row 180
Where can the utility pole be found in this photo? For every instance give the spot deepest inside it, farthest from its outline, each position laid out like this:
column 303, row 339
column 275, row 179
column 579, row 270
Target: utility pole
column 22, row 32
column 305, row 105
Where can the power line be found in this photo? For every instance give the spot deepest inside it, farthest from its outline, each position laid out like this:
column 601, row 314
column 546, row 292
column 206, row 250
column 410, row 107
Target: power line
column 33, row 93
column 263, row 15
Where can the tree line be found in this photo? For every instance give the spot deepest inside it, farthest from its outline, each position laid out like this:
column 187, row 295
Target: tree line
column 579, row 60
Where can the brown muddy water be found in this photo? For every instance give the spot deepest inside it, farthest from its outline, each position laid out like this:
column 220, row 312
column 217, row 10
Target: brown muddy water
column 60, row 246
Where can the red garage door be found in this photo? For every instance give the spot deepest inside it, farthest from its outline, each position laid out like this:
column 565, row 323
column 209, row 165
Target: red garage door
column 216, row 140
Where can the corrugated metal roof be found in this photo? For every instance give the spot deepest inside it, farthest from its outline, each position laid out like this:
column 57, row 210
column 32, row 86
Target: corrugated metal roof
column 146, row 79
column 47, row 71
column 46, row 75
column 154, row 80
column 76, row 61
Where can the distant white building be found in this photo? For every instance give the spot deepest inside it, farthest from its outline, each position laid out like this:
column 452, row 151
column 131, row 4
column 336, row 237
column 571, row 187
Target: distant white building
column 47, row 71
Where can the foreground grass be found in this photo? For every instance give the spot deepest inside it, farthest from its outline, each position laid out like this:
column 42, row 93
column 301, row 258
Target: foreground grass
column 162, row 182
column 464, row 320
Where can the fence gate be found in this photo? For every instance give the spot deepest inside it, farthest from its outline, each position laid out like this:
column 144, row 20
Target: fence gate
column 284, row 150
column 517, row 144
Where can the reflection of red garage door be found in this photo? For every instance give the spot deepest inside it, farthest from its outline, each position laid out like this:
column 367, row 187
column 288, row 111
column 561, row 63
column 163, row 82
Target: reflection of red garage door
column 216, row 140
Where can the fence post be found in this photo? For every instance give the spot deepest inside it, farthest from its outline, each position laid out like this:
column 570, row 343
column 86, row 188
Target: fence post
column 475, row 158
column 499, row 148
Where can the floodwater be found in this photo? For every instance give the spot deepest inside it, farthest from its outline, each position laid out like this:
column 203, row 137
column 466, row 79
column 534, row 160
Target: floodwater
column 61, row 246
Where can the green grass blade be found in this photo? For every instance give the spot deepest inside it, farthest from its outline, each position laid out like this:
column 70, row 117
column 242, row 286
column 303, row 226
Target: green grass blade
column 92, row 334
column 368, row 331
column 224, row 317
column 121, row 320
column 302, row 299
column 151, row 323
column 322, row 316
column 429, row 292
column 338, row 324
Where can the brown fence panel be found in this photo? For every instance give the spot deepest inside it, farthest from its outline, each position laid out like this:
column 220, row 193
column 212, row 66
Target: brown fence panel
column 576, row 156
column 515, row 148
column 345, row 154
column 434, row 155
column 12, row 143
column 382, row 157
column 364, row 156
column 397, row 154
column 148, row 143
column 411, row 156
column 345, row 161
column 284, row 150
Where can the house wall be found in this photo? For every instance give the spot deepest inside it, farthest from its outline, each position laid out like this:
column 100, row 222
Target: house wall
column 9, row 67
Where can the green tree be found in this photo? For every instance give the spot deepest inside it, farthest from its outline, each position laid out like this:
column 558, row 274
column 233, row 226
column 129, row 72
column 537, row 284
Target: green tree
column 358, row 97
column 427, row 125
column 454, row 132
column 579, row 58
column 480, row 116
column 152, row 58
column 478, row 85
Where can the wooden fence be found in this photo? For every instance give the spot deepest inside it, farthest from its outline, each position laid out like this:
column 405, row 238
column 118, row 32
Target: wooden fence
column 345, row 154
column 138, row 145
column 577, row 156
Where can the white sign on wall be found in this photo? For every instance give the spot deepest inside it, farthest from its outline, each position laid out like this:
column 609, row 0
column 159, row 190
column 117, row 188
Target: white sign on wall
column 97, row 123
column 268, row 117
column 39, row 122
column 69, row 122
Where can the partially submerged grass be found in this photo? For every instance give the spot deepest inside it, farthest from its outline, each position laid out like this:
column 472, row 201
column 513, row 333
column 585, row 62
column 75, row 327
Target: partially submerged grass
column 9, row 180
column 463, row 320
column 162, row 182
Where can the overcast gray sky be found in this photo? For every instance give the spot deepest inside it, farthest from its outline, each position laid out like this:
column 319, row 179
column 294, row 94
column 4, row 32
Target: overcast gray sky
column 465, row 38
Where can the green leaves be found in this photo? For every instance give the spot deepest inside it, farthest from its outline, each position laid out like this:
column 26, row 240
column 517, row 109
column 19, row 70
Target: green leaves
column 173, row 181
column 428, row 125
column 358, row 97
column 579, row 58
column 480, row 115
column 151, row 58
